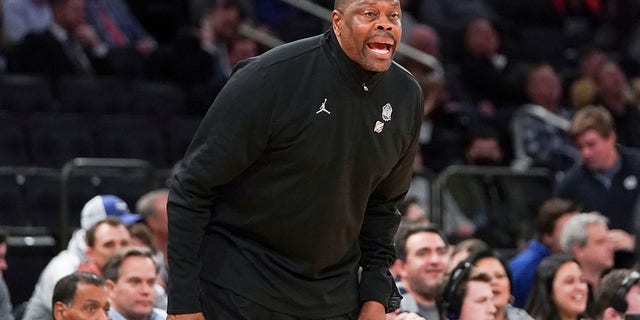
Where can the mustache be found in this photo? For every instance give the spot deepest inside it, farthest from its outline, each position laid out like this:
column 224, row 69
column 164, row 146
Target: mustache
column 384, row 34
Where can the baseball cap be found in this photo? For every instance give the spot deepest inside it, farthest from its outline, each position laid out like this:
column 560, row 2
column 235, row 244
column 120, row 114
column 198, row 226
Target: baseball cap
column 101, row 206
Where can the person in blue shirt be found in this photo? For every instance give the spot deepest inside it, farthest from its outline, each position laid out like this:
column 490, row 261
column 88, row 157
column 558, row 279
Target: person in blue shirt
column 552, row 215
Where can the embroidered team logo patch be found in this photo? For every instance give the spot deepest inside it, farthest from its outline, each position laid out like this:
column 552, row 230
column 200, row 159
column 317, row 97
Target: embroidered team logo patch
column 386, row 112
column 378, row 127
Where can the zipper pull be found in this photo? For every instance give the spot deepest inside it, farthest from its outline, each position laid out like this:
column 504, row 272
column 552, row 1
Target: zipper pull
column 364, row 86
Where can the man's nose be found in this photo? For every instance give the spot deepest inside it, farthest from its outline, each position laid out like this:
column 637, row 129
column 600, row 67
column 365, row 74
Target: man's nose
column 384, row 26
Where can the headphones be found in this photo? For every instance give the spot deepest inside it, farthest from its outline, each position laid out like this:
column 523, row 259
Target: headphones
column 619, row 302
column 452, row 299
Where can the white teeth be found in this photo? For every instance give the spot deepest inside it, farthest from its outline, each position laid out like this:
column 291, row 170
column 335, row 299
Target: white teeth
column 578, row 297
column 383, row 51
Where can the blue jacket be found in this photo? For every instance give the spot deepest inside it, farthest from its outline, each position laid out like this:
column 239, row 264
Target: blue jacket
column 523, row 268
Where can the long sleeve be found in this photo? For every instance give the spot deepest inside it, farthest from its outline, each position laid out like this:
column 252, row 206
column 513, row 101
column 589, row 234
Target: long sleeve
column 379, row 227
column 232, row 135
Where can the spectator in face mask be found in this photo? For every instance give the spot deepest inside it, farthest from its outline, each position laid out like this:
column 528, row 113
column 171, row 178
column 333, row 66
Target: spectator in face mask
column 494, row 204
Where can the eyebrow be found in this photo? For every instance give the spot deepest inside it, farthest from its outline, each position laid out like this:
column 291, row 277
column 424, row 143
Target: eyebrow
column 92, row 301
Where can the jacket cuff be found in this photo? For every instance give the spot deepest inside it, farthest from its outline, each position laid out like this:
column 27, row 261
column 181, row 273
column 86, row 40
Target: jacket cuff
column 184, row 303
column 377, row 284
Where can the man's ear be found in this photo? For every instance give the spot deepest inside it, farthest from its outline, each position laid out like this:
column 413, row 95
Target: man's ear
column 399, row 266
column 110, row 285
column 89, row 253
column 611, row 314
column 546, row 239
column 59, row 310
column 336, row 22
column 577, row 251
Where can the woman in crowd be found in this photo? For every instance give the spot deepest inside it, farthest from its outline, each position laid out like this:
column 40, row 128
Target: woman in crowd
column 500, row 285
column 559, row 290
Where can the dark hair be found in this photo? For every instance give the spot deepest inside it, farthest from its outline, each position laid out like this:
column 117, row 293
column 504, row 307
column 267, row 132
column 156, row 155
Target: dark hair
column 3, row 236
column 613, row 290
column 401, row 239
column 111, row 269
column 479, row 255
column 550, row 211
column 90, row 236
column 65, row 289
column 142, row 232
column 239, row 5
column 540, row 303
column 471, row 246
column 453, row 290
column 482, row 132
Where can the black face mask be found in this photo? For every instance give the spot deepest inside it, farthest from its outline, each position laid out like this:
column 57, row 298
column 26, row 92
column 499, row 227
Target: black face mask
column 484, row 161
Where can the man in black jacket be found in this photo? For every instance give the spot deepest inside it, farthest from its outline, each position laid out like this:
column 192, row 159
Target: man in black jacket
column 291, row 183
column 69, row 47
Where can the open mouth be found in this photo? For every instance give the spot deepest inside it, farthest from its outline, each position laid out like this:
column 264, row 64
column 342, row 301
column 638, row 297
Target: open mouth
column 382, row 48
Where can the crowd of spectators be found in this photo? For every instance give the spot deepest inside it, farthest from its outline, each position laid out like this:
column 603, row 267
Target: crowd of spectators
column 565, row 56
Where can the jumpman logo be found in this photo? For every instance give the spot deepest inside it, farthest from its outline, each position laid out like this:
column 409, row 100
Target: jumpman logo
column 323, row 108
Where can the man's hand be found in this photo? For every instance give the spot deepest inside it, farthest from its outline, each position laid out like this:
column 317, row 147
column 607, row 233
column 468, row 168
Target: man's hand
column 372, row 310
column 621, row 240
column 186, row 316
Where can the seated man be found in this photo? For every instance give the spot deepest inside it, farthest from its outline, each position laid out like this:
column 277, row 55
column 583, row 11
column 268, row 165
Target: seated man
column 423, row 257
column 619, row 295
column 68, row 47
column 467, row 294
column 102, row 216
column 586, row 237
column 131, row 274
column 80, row 295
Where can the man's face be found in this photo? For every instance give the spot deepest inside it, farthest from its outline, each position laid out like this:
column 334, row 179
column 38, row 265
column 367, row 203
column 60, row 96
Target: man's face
column 133, row 294
column 484, row 151
column 597, row 253
column 427, row 259
column 108, row 239
column 478, row 302
column 481, row 39
column 545, row 87
column 225, row 22
column 72, row 14
column 369, row 31
column 91, row 302
column 610, row 80
column 597, row 152
column 158, row 223
column 3, row 258
column 554, row 240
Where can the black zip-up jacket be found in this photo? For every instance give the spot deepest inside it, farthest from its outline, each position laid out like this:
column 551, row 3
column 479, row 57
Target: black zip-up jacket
column 288, row 187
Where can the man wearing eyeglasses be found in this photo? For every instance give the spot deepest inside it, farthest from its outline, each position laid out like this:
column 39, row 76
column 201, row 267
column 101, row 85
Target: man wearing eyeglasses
column 619, row 296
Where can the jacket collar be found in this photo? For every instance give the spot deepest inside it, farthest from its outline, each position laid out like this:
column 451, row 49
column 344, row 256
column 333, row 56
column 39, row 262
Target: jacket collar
column 355, row 76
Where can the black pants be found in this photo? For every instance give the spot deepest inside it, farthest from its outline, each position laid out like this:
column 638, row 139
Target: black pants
column 221, row 304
